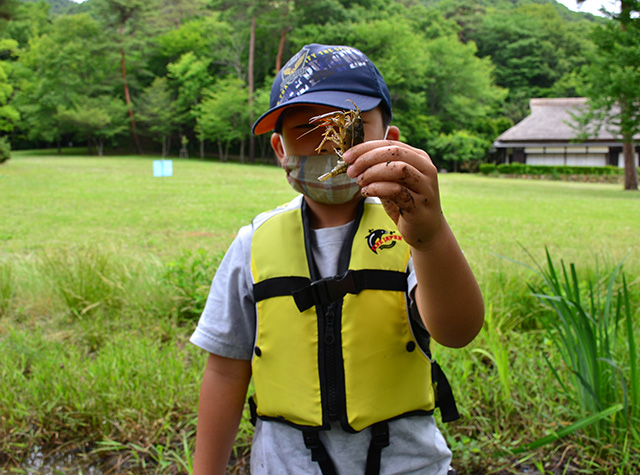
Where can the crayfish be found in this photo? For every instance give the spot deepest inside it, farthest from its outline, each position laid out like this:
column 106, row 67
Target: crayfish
column 344, row 129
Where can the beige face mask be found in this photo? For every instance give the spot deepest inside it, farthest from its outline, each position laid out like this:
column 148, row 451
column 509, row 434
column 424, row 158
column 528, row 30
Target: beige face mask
column 303, row 172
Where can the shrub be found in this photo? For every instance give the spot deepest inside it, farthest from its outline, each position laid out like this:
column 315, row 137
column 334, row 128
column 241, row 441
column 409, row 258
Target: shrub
column 5, row 149
column 547, row 170
column 189, row 278
column 511, row 168
column 488, row 168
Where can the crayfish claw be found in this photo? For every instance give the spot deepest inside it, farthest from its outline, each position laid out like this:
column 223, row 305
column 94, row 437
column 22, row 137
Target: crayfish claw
column 341, row 167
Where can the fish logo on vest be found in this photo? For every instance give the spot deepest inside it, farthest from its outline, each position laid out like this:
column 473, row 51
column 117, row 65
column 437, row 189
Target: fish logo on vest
column 381, row 239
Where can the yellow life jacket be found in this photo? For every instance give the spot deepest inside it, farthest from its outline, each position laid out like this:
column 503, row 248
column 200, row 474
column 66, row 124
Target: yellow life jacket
column 338, row 349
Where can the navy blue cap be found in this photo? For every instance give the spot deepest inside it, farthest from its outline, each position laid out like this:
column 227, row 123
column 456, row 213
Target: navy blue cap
column 329, row 76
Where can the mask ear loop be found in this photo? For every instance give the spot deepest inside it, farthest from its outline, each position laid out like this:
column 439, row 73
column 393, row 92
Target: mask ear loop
column 282, row 145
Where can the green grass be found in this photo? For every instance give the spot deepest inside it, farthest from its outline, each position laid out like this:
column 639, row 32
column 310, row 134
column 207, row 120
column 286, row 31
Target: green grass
column 52, row 202
column 104, row 270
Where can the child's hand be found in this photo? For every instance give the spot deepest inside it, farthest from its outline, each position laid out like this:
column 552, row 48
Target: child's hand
column 406, row 181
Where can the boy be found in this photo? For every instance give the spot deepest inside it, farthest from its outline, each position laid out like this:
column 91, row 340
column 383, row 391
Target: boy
column 318, row 300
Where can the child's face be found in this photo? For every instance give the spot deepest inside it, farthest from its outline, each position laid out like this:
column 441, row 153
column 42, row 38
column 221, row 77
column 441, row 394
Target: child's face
column 296, row 147
column 295, row 125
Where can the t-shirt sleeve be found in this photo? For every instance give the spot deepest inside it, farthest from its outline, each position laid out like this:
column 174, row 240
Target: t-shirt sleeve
column 412, row 280
column 227, row 324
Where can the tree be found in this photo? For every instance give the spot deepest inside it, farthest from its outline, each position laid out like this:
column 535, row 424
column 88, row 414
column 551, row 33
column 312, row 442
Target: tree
column 223, row 114
column 96, row 119
column 437, row 83
column 8, row 114
column 425, row 49
column 173, row 13
column 158, row 111
column 261, row 103
column 251, row 81
column 459, row 147
column 251, row 10
column 192, row 77
column 459, row 86
column 8, row 9
column 531, row 48
column 203, row 37
column 30, row 20
column 613, row 85
column 71, row 62
column 125, row 16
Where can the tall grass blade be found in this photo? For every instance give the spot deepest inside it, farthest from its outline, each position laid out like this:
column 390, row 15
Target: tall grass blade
column 634, row 375
column 576, row 426
column 7, row 288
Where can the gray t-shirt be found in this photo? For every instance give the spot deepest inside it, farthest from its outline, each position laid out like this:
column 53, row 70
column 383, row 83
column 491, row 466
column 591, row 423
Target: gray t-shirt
column 227, row 328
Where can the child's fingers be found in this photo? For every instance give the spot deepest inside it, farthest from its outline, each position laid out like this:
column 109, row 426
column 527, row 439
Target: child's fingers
column 402, row 197
column 368, row 154
column 395, row 172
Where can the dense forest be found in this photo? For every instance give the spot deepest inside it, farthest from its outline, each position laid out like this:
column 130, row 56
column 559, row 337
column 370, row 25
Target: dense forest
column 189, row 76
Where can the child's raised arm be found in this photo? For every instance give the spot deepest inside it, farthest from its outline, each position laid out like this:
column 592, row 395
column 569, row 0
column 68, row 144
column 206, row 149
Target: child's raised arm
column 406, row 181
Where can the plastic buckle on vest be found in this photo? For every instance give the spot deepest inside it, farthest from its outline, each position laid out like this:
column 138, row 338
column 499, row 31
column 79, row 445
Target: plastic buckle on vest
column 380, row 435
column 325, row 291
column 311, row 439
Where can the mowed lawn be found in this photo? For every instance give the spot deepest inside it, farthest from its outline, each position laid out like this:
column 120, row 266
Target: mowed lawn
column 68, row 201
column 59, row 202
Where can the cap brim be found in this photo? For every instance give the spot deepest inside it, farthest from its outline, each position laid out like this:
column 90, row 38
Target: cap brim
column 337, row 99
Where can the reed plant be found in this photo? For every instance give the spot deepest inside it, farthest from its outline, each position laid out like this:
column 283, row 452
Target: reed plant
column 496, row 350
column 591, row 323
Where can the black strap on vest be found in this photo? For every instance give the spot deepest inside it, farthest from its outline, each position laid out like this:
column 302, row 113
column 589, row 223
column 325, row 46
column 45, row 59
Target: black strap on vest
column 444, row 394
column 278, row 287
column 325, row 291
column 319, row 454
column 253, row 409
column 379, row 440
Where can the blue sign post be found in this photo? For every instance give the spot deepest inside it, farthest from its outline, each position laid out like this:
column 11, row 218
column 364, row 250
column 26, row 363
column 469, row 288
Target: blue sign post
column 163, row 168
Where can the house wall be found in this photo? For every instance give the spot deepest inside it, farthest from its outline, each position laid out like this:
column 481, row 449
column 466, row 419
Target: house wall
column 621, row 159
column 583, row 156
column 568, row 156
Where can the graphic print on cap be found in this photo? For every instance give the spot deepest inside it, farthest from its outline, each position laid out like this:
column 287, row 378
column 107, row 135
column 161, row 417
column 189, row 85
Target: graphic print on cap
column 306, row 70
column 293, row 69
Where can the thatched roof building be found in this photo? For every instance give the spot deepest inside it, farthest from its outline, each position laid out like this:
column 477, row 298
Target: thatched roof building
column 546, row 137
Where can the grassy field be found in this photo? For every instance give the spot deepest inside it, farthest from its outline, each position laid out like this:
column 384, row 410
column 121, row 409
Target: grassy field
column 104, row 269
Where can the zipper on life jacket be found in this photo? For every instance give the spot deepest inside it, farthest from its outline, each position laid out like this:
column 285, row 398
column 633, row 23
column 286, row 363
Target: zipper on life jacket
column 330, row 359
column 332, row 353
